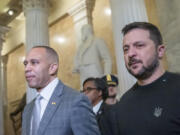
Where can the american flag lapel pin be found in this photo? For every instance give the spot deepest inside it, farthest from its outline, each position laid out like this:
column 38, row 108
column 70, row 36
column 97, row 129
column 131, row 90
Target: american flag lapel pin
column 53, row 103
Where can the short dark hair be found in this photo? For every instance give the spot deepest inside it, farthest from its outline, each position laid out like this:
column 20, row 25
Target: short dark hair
column 50, row 51
column 154, row 32
column 88, row 79
column 100, row 85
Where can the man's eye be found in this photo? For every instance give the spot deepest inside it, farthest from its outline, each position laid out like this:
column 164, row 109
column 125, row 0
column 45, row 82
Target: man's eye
column 34, row 62
column 139, row 45
column 125, row 49
column 88, row 88
column 25, row 63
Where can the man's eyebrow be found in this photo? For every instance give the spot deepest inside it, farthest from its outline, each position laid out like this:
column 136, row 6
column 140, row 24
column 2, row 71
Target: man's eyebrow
column 138, row 42
column 125, row 46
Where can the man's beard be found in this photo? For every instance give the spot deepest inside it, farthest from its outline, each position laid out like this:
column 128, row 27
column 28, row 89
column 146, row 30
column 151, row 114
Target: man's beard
column 145, row 72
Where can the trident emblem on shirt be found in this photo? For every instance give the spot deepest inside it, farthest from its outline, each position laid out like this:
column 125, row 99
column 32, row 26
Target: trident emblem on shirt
column 158, row 111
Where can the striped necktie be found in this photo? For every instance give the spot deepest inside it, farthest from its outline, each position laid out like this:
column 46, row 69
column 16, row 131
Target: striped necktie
column 36, row 115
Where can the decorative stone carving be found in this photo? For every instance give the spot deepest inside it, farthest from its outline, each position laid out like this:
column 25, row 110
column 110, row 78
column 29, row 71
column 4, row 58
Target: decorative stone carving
column 36, row 23
column 90, row 55
column 82, row 14
column 35, row 3
column 40, row 4
column 82, row 10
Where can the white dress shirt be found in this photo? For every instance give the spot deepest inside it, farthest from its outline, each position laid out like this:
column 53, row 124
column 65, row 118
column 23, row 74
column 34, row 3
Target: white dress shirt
column 46, row 93
column 97, row 107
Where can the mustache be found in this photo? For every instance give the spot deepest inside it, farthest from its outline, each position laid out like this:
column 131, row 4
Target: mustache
column 133, row 60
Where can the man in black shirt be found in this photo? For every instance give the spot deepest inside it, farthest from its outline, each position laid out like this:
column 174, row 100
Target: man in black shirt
column 152, row 105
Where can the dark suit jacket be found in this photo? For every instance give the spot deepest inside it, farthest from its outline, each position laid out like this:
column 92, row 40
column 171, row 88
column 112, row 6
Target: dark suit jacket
column 106, row 118
column 67, row 113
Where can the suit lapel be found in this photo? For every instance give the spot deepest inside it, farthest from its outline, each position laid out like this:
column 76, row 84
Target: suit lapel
column 51, row 108
column 28, row 118
column 100, row 111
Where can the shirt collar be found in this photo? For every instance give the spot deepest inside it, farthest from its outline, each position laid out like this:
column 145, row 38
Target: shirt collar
column 96, row 107
column 49, row 89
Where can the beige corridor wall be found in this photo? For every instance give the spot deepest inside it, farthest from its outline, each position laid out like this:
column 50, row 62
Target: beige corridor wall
column 152, row 12
column 103, row 27
column 16, row 86
column 66, row 50
column 153, row 18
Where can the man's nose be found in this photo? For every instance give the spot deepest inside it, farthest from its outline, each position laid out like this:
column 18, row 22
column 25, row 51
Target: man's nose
column 28, row 68
column 132, row 52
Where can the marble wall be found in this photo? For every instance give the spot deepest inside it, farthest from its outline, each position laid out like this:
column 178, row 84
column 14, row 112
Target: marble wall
column 62, row 39
column 103, row 27
column 169, row 18
column 153, row 17
column 152, row 12
column 16, row 85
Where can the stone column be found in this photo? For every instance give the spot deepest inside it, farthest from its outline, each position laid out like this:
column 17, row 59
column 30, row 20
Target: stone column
column 124, row 12
column 3, row 30
column 82, row 14
column 36, row 14
column 3, row 88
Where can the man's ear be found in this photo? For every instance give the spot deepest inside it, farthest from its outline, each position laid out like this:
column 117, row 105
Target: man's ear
column 53, row 69
column 161, row 51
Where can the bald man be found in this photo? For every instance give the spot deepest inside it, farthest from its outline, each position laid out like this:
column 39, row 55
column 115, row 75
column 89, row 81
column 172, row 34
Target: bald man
column 57, row 109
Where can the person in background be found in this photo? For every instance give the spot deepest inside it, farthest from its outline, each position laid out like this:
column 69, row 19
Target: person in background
column 112, row 83
column 96, row 90
column 57, row 109
column 151, row 106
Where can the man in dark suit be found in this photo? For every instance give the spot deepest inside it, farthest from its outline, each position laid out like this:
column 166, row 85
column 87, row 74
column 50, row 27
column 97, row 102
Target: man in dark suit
column 96, row 90
column 62, row 110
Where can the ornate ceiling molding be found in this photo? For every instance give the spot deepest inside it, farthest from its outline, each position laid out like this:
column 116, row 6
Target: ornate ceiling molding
column 31, row 4
column 82, row 9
